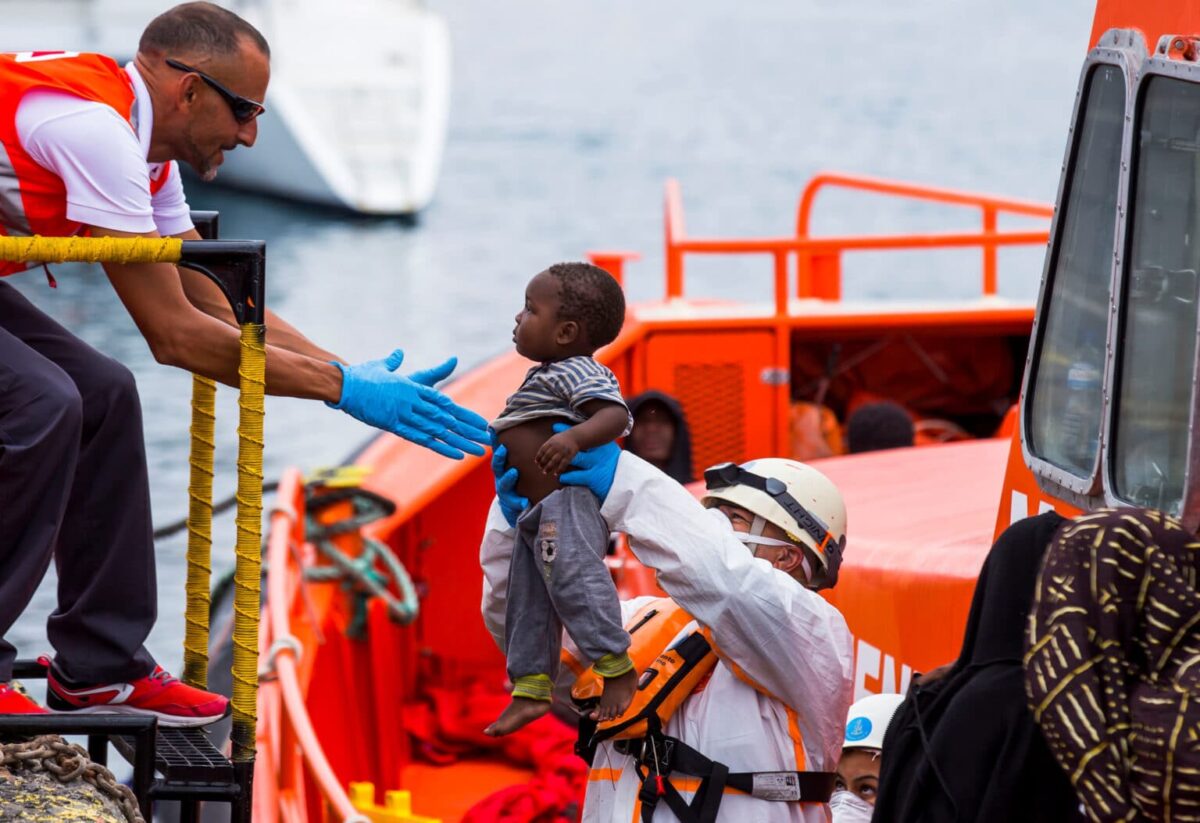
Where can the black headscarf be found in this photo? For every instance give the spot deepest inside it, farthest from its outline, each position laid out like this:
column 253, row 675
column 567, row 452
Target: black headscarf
column 1114, row 663
column 964, row 748
column 679, row 464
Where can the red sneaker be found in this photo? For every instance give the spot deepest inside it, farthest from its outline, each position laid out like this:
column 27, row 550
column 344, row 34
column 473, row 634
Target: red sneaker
column 158, row 693
column 14, row 701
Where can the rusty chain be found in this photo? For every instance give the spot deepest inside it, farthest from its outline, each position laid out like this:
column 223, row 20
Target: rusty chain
column 68, row 762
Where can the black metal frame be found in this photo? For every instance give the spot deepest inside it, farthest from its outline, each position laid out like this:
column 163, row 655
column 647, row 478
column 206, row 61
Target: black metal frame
column 139, row 740
column 238, row 267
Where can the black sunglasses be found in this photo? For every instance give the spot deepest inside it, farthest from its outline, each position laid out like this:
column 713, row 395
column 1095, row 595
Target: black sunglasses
column 244, row 109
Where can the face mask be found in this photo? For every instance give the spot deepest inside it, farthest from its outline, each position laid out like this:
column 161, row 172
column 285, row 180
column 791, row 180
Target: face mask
column 752, row 540
column 847, row 807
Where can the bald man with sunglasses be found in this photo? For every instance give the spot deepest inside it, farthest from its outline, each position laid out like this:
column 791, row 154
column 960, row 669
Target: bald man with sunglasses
column 91, row 147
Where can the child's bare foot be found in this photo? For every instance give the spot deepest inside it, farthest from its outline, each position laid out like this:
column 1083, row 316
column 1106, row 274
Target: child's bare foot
column 521, row 711
column 618, row 694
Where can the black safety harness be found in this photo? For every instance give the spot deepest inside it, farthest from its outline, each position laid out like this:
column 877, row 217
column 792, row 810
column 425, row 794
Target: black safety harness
column 657, row 756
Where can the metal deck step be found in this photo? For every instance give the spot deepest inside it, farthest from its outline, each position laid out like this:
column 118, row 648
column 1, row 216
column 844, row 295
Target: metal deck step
column 183, row 756
column 191, row 768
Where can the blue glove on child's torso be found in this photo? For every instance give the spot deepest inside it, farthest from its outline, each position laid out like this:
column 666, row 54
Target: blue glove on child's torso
column 511, row 503
column 593, row 469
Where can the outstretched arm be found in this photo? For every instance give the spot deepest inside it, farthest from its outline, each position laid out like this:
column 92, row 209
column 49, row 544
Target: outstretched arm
column 205, row 295
column 783, row 638
column 181, row 335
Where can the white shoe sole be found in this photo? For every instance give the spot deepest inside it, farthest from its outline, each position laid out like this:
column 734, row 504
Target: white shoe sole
column 170, row 721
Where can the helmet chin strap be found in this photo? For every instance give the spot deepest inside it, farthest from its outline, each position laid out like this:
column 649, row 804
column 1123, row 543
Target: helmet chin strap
column 760, row 523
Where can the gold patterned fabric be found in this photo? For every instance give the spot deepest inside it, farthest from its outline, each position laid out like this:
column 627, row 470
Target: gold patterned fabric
column 1112, row 666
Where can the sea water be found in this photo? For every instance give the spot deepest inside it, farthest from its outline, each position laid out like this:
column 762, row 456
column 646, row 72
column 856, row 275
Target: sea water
column 566, row 118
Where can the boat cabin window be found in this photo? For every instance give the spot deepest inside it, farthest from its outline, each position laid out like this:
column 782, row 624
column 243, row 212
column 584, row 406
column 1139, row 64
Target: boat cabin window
column 1066, row 391
column 1157, row 359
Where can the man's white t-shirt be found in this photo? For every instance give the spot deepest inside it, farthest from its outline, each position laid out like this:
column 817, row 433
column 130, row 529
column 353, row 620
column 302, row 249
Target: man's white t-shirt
column 102, row 161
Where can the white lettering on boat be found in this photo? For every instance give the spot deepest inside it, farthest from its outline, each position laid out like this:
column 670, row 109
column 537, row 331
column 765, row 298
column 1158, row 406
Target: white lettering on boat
column 1018, row 508
column 892, row 676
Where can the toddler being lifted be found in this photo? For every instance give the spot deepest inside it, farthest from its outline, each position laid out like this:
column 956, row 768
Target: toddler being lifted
column 557, row 577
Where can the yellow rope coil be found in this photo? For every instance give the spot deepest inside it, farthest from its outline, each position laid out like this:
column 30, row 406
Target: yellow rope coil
column 37, row 249
column 247, row 572
column 199, row 527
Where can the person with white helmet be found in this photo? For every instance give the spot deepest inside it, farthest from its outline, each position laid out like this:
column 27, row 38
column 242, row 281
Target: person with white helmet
column 758, row 737
column 857, row 783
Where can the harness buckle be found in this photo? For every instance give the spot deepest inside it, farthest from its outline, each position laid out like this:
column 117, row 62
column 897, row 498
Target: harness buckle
column 654, row 752
column 651, row 791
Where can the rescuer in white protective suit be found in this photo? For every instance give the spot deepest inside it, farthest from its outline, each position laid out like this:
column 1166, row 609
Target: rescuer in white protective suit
column 747, row 571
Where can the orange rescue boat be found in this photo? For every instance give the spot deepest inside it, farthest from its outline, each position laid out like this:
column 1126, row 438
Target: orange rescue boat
column 1088, row 400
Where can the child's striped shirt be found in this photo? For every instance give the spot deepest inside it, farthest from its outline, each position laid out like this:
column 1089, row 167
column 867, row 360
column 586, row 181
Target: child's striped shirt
column 560, row 389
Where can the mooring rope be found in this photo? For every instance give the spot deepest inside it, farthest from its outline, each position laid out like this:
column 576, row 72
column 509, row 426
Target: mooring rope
column 199, row 526
column 68, row 762
column 247, row 601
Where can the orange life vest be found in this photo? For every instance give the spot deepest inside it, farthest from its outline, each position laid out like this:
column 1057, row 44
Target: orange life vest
column 673, row 664
column 668, row 672
column 33, row 200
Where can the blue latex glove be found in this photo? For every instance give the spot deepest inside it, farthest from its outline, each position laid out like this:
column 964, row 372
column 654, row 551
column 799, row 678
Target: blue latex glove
column 594, row 469
column 511, row 503
column 410, row 407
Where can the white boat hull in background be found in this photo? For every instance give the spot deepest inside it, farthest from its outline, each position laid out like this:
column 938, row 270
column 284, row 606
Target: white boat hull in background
column 358, row 102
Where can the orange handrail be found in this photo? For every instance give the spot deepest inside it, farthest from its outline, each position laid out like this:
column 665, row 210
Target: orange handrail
column 283, row 711
column 912, row 191
column 990, row 207
column 819, row 258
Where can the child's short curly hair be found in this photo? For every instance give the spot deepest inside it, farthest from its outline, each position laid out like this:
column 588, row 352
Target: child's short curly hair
column 591, row 297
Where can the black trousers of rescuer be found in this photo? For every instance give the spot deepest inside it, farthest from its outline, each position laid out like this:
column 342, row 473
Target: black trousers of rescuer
column 73, row 485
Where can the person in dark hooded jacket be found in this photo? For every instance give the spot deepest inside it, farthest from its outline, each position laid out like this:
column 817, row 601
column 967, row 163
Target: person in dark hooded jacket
column 660, row 434
column 963, row 747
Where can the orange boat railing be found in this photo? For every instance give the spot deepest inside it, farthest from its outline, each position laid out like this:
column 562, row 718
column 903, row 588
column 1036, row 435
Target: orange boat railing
column 819, row 258
column 285, row 729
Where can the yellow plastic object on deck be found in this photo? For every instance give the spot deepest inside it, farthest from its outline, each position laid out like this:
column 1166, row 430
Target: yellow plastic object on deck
column 37, row 249
column 397, row 806
column 247, row 574
column 339, row 477
column 199, row 527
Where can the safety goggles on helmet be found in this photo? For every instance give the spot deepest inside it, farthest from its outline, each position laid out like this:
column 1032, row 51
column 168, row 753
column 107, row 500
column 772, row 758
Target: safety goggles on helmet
column 829, row 547
column 244, row 109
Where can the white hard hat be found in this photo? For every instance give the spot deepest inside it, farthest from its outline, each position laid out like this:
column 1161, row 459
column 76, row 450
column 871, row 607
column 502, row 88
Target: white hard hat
column 795, row 497
column 868, row 720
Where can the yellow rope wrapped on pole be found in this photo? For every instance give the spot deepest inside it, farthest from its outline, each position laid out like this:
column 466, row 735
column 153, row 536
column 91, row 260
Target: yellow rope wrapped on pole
column 199, row 527
column 247, row 573
column 37, row 249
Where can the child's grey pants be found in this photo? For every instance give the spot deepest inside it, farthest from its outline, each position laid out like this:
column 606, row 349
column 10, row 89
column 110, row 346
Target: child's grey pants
column 557, row 578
